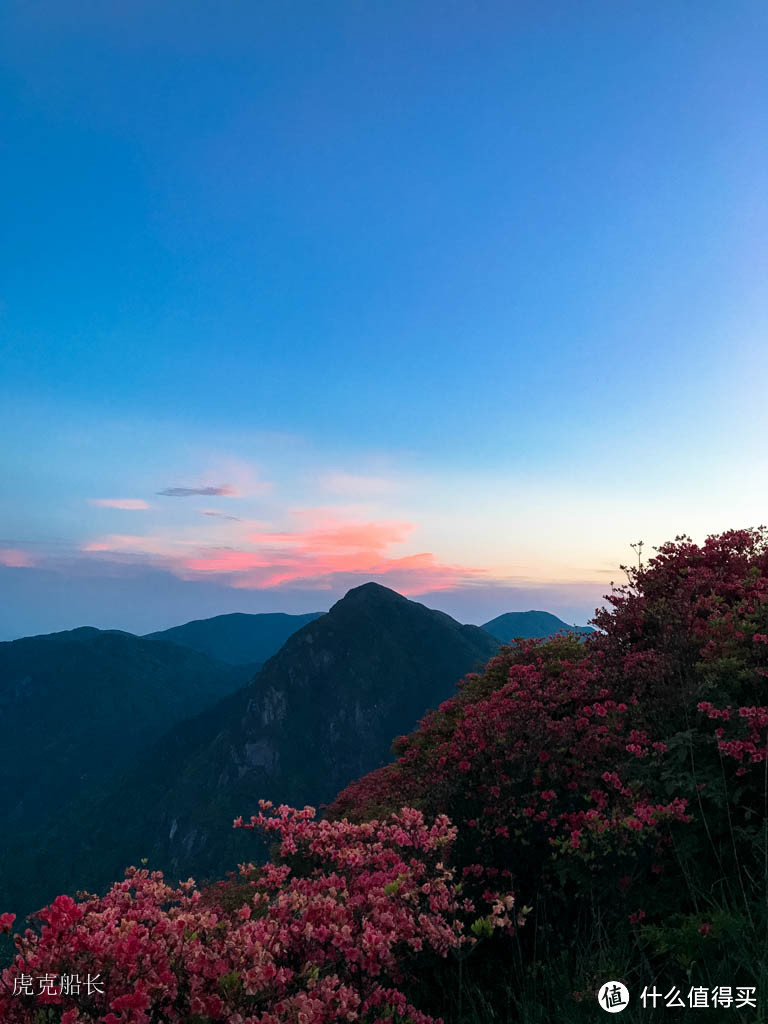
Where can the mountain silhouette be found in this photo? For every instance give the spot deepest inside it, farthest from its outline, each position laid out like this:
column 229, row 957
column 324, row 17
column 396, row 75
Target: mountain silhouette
column 526, row 625
column 78, row 709
column 238, row 638
column 79, row 706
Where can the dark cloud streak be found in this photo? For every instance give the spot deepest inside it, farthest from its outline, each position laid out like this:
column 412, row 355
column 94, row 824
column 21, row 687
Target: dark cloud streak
column 188, row 492
column 221, row 515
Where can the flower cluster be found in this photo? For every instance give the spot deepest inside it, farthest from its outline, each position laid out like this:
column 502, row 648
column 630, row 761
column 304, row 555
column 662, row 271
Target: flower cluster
column 326, row 935
column 750, row 747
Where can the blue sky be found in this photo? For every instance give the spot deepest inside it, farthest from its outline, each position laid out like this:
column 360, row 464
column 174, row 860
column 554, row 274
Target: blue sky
column 464, row 297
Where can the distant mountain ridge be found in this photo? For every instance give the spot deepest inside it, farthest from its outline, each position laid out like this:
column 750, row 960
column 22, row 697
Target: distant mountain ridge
column 238, row 638
column 81, row 705
column 528, row 625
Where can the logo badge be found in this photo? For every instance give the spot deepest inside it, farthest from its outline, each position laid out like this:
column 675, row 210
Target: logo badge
column 613, row 997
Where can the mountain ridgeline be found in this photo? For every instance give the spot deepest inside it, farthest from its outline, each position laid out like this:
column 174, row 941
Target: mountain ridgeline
column 238, row 638
column 526, row 625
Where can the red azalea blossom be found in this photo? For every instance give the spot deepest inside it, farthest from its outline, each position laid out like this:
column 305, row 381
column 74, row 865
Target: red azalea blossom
column 323, row 944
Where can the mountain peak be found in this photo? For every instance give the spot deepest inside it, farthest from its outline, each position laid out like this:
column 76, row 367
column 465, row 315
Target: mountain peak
column 534, row 623
column 371, row 592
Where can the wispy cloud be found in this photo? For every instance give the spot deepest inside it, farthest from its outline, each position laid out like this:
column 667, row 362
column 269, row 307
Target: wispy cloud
column 330, row 534
column 187, row 492
column 244, row 476
column 163, row 546
column 119, row 542
column 219, row 515
column 129, row 504
column 15, row 558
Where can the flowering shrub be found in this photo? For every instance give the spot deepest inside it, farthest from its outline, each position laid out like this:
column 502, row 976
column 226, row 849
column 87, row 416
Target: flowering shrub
column 637, row 755
column 327, row 935
column 536, row 760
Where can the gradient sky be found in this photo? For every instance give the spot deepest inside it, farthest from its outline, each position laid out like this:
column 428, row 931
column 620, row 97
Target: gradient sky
column 464, row 297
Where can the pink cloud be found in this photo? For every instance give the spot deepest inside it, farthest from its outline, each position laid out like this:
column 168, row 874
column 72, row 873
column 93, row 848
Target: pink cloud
column 322, row 549
column 334, row 535
column 130, row 504
column 431, row 575
column 14, row 558
column 225, row 561
column 117, row 542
